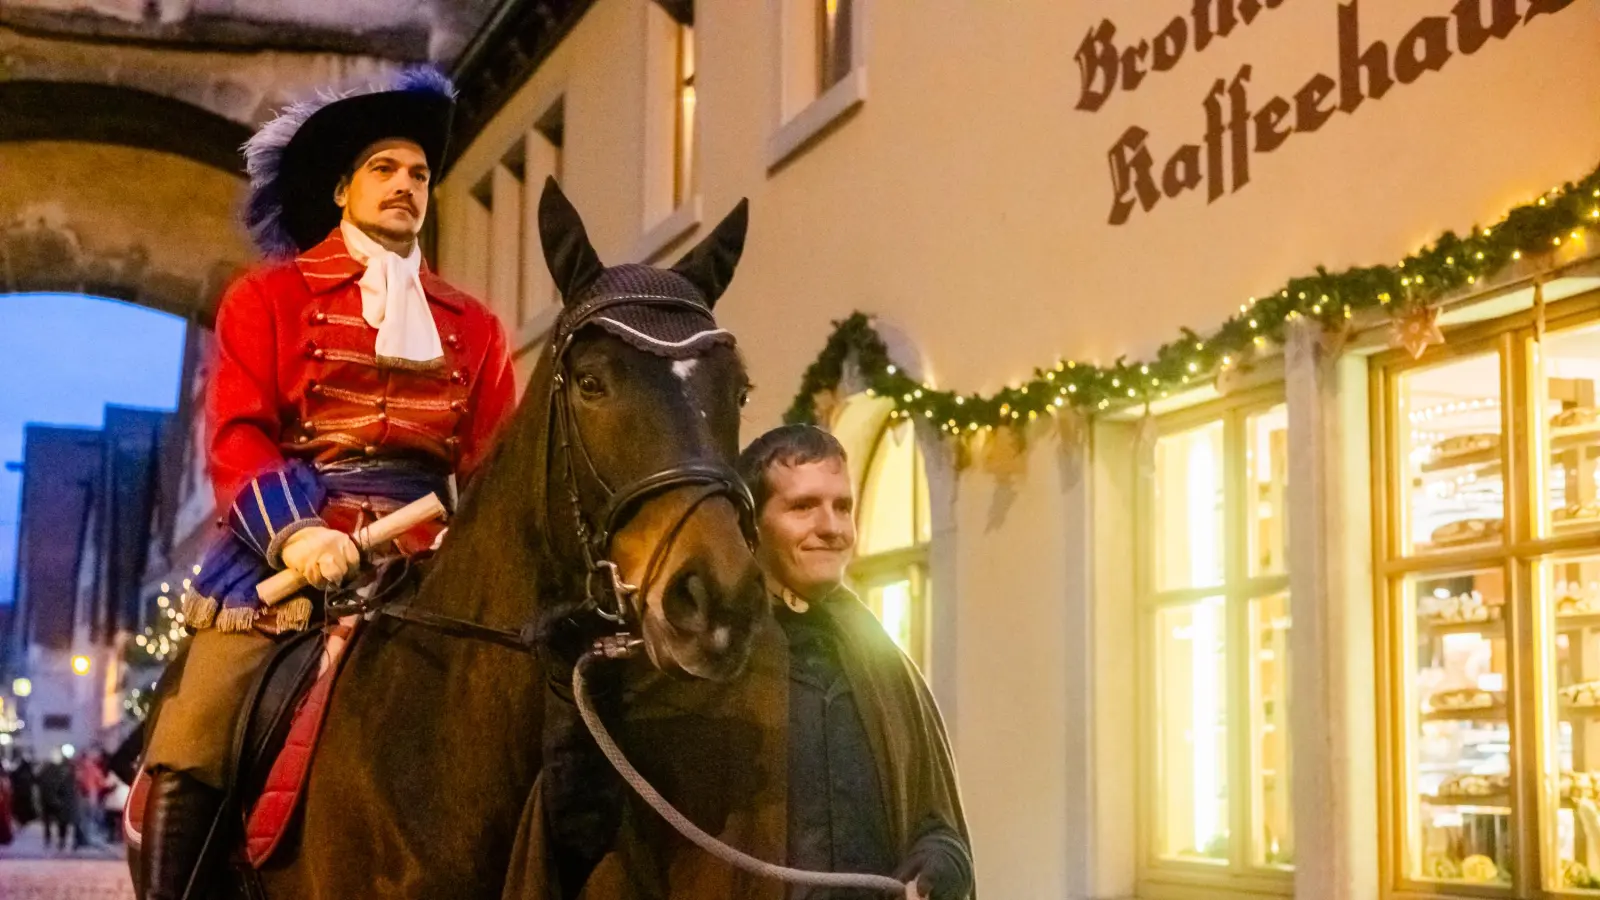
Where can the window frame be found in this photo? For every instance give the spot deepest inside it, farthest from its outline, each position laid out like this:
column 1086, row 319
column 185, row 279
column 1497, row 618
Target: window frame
column 901, row 563
column 1160, row 877
column 798, row 125
column 1520, row 553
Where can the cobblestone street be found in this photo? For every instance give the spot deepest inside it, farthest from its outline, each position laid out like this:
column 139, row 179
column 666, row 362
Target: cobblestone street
column 30, row 872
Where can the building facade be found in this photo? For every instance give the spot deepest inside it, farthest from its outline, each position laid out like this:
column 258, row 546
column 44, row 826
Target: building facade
column 89, row 507
column 1285, row 609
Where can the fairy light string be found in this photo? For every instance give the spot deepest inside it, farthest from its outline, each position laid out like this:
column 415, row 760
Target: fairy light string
column 1450, row 263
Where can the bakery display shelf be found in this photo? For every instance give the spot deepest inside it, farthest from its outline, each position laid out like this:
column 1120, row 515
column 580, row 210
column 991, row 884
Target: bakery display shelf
column 1481, row 714
column 1494, row 803
column 1568, row 711
column 1487, row 626
column 1574, row 436
column 1575, row 524
column 1573, row 621
column 1462, row 460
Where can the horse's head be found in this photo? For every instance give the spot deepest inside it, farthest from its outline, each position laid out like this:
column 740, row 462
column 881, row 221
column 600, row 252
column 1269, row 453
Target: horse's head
column 645, row 393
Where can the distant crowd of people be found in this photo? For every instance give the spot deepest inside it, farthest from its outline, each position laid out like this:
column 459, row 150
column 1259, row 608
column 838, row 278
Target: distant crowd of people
column 71, row 794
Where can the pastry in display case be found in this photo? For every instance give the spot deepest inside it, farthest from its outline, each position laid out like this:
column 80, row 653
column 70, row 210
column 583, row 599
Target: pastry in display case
column 1577, row 418
column 1462, row 449
column 1574, row 582
column 1577, row 514
column 1459, row 609
column 1463, row 532
column 1462, row 748
column 1453, row 453
column 1465, row 699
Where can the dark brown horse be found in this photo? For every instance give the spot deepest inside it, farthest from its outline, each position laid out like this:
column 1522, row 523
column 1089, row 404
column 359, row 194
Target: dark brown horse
column 433, row 741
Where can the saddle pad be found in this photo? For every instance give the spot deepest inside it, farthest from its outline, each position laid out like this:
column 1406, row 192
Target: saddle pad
column 274, row 808
column 133, row 812
column 269, row 818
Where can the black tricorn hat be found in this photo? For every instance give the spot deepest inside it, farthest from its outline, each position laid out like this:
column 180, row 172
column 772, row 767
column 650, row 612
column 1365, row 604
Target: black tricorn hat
column 296, row 160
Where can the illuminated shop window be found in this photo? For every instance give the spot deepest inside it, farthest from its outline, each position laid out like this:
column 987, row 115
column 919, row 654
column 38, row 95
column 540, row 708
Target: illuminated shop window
column 1489, row 511
column 1216, row 625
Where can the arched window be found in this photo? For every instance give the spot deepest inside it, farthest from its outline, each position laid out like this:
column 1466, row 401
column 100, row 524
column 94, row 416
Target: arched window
column 893, row 525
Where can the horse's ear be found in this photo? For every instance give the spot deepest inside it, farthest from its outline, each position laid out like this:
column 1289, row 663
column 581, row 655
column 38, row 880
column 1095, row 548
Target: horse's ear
column 709, row 266
column 567, row 251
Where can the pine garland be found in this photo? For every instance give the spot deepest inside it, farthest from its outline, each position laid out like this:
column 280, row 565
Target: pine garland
column 1450, row 263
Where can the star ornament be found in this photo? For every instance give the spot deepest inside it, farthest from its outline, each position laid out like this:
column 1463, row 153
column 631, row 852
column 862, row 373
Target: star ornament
column 1416, row 329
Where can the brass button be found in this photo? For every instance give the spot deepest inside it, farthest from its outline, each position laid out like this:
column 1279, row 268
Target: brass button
column 315, row 389
column 452, row 441
column 453, row 340
column 366, row 506
column 380, row 403
column 302, row 438
column 383, row 417
column 310, row 427
column 459, row 376
column 371, row 450
column 459, row 406
column 319, row 317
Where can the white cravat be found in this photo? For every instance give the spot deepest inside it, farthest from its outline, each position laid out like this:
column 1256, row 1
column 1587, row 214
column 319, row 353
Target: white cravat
column 392, row 301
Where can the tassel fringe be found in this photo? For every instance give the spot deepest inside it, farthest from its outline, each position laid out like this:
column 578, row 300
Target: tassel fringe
column 294, row 614
column 236, row 620
column 199, row 611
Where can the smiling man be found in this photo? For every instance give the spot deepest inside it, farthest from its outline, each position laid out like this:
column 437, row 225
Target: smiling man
column 872, row 785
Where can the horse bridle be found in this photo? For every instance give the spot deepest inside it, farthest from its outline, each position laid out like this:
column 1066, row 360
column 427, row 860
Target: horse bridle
column 606, row 593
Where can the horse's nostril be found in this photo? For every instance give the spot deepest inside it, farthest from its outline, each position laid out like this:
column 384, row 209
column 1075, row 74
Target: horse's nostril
column 687, row 602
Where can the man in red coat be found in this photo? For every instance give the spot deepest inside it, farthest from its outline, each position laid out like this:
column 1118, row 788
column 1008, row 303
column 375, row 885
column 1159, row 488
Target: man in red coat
column 349, row 381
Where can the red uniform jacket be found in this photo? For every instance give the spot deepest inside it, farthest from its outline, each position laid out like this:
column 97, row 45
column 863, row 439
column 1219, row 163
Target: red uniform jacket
column 296, row 376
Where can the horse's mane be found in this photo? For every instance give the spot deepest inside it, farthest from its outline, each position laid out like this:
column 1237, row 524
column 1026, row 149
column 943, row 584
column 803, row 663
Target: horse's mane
column 495, row 558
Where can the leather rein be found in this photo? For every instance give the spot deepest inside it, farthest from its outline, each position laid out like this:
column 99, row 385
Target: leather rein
column 606, row 594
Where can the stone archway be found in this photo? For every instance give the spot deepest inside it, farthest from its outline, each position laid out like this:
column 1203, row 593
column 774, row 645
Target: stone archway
column 118, row 193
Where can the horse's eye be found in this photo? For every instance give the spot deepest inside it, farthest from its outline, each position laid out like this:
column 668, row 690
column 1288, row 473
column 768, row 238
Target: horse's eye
column 744, row 396
column 590, row 386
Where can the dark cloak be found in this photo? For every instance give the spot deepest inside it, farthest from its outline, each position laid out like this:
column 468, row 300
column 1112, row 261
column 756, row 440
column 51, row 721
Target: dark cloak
column 720, row 754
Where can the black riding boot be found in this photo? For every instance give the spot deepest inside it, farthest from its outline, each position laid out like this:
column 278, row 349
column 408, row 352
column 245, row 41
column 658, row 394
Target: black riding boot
column 177, row 819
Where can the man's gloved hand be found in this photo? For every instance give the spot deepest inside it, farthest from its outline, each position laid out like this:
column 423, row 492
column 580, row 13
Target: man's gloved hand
column 939, row 867
column 322, row 556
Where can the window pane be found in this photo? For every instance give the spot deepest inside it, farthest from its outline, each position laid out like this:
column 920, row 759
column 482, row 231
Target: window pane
column 1192, row 732
column 924, row 507
column 1572, row 431
column 1188, row 509
column 895, row 605
column 833, row 41
column 890, row 495
column 683, row 157
column 1451, row 451
column 1459, row 751
column 1268, row 484
column 1269, row 730
column 1570, row 607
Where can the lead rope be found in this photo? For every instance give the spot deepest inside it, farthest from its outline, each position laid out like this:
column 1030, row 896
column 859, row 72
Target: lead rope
column 621, row 648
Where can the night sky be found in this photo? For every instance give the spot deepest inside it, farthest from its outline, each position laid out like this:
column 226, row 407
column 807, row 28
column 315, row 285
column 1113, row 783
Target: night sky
column 62, row 359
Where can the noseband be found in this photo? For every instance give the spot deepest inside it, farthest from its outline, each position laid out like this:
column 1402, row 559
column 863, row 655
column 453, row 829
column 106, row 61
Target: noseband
column 605, row 592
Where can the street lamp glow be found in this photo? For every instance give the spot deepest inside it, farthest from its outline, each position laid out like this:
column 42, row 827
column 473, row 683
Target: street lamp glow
column 80, row 665
column 22, row 687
